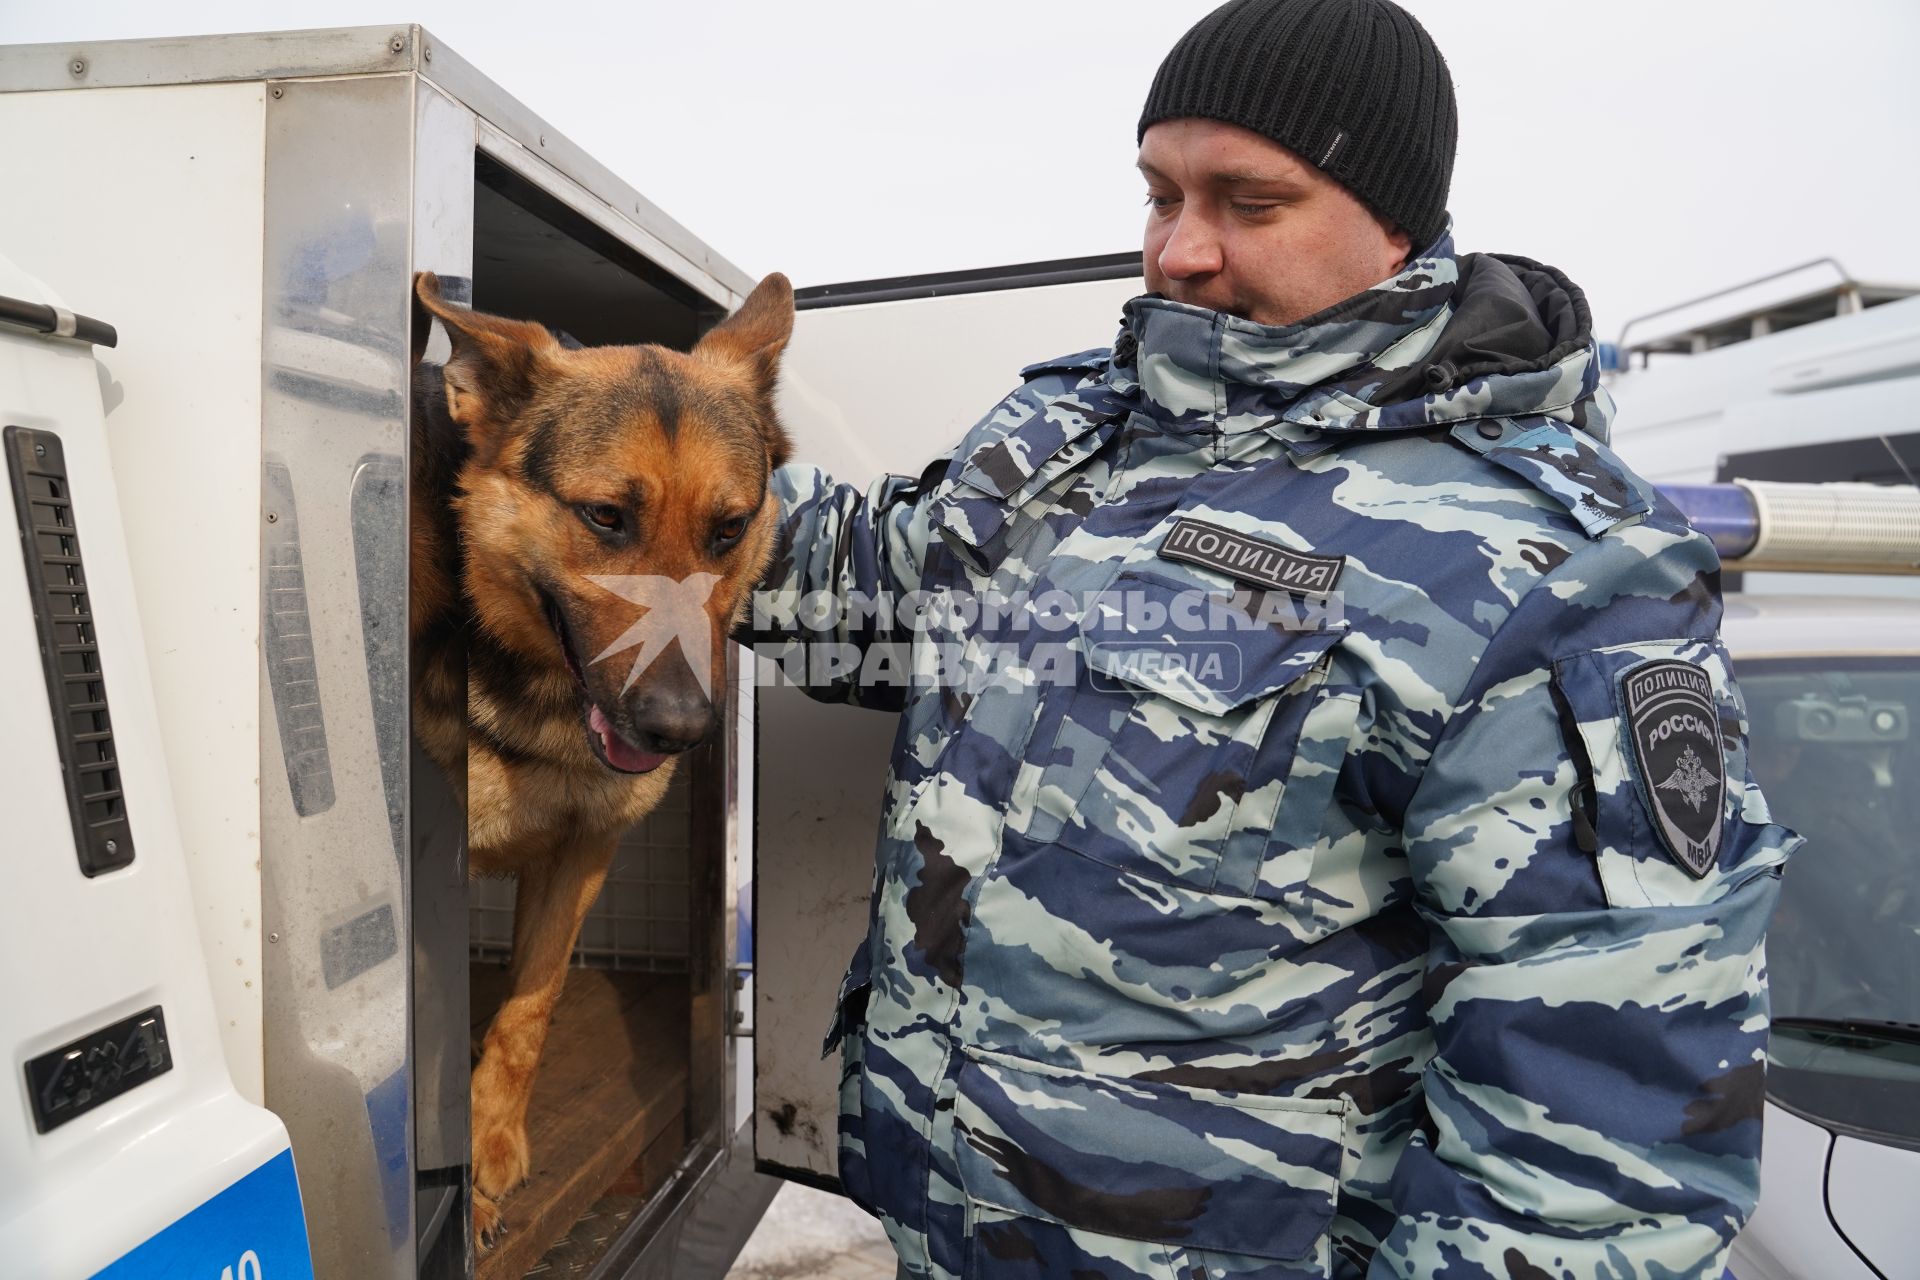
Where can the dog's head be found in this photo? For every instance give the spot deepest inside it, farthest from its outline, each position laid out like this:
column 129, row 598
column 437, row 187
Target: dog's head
column 614, row 511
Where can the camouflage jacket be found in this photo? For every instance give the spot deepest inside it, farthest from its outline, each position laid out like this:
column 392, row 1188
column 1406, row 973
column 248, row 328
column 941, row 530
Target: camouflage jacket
column 1319, row 840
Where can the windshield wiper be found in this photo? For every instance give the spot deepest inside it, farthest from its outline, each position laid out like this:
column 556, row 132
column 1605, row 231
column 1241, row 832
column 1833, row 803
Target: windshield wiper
column 1864, row 1028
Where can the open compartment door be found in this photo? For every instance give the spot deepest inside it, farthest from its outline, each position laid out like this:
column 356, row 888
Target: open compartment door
column 880, row 377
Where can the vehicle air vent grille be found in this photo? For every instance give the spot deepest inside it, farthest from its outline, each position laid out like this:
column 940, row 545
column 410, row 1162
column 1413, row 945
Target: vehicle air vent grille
column 43, row 506
column 286, row 635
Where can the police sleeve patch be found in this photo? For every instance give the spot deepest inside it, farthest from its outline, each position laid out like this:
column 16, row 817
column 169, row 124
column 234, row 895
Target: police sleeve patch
column 1675, row 727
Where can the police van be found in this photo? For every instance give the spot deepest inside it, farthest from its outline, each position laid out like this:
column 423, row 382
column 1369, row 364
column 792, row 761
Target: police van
column 244, row 981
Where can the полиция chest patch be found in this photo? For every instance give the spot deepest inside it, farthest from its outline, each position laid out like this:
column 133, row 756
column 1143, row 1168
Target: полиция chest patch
column 1675, row 726
column 1251, row 559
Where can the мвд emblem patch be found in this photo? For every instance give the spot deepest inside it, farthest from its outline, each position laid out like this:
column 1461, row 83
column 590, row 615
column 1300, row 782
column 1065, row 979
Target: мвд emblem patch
column 1675, row 727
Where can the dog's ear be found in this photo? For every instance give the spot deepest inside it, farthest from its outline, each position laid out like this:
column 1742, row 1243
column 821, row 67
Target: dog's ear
column 495, row 363
column 752, row 338
column 750, row 341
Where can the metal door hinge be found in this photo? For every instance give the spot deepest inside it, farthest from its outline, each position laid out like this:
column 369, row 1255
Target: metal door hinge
column 739, row 1000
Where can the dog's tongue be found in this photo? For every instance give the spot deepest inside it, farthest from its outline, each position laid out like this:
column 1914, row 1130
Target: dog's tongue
column 622, row 756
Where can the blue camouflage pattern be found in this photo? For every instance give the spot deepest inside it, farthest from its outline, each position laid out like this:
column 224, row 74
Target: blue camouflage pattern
column 1352, row 953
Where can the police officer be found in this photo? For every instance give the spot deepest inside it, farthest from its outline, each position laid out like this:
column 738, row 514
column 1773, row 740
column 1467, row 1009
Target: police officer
column 1319, row 840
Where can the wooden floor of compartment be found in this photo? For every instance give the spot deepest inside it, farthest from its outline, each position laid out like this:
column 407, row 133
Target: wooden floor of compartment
column 607, row 1121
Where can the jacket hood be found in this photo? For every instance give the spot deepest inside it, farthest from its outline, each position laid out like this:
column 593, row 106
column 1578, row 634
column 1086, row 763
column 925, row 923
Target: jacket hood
column 1450, row 339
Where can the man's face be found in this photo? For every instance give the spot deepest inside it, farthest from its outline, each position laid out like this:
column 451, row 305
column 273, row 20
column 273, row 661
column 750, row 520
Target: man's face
column 1238, row 223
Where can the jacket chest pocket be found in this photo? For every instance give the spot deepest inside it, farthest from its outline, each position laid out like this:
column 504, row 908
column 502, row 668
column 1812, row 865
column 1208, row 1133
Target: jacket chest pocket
column 1194, row 750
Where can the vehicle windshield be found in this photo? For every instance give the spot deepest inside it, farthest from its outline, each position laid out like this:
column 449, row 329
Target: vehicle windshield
column 1835, row 749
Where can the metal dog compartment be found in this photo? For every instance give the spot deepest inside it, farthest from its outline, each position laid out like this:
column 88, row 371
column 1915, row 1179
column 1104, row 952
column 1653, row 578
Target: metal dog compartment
column 251, row 210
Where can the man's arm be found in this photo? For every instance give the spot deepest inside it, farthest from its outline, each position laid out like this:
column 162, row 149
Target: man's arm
column 844, row 563
column 1599, row 1012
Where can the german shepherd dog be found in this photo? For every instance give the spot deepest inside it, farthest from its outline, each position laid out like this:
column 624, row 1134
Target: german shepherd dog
column 538, row 470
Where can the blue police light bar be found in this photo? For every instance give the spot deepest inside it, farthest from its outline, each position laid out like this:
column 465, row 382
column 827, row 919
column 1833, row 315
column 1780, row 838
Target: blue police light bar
column 1812, row 528
column 1724, row 512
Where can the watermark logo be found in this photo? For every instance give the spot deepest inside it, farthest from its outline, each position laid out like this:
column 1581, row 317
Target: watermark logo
column 1121, row 637
column 1211, row 665
column 675, row 611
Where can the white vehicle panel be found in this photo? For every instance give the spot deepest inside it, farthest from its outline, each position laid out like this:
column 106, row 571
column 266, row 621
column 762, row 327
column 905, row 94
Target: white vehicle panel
column 1840, row 379
column 885, row 387
column 1790, row 1236
column 1783, row 626
column 1872, row 1191
column 82, row 953
column 172, row 178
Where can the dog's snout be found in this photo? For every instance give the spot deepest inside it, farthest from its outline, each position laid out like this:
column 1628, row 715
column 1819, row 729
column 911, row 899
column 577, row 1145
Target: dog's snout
column 671, row 720
column 672, row 712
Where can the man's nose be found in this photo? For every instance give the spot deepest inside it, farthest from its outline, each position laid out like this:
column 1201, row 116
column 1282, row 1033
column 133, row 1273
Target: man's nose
column 1192, row 249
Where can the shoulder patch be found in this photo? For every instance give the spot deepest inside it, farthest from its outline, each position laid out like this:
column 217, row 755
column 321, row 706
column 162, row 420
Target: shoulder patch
column 1671, row 716
column 1569, row 466
column 1091, row 361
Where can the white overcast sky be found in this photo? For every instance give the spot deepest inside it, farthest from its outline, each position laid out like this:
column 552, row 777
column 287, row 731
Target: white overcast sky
column 1654, row 149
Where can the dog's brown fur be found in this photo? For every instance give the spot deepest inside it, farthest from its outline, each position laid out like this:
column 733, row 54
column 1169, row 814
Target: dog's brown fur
column 519, row 445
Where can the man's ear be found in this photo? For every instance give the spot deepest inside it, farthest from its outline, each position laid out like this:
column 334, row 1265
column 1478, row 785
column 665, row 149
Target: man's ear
column 1399, row 247
column 494, row 367
column 750, row 342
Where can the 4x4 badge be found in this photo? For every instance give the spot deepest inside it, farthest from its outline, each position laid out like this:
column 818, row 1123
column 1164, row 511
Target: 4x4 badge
column 1675, row 726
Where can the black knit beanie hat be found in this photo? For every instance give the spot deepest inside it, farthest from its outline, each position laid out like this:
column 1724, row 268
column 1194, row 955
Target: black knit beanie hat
column 1354, row 87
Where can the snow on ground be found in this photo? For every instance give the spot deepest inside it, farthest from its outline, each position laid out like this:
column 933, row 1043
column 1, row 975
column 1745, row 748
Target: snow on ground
column 811, row 1235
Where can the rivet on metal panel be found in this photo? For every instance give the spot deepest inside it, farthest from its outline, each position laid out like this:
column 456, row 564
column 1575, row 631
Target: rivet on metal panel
column 78, row 66
column 273, row 937
column 543, row 139
column 426, row 54
column 278, row 91
column 273, row 517
column 398, row 44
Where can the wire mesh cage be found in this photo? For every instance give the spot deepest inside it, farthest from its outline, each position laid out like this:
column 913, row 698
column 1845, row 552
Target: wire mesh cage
column 640, row 920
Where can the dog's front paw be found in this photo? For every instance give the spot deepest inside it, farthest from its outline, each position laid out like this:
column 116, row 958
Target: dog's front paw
column 501, row 1157
column 487, row 1224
